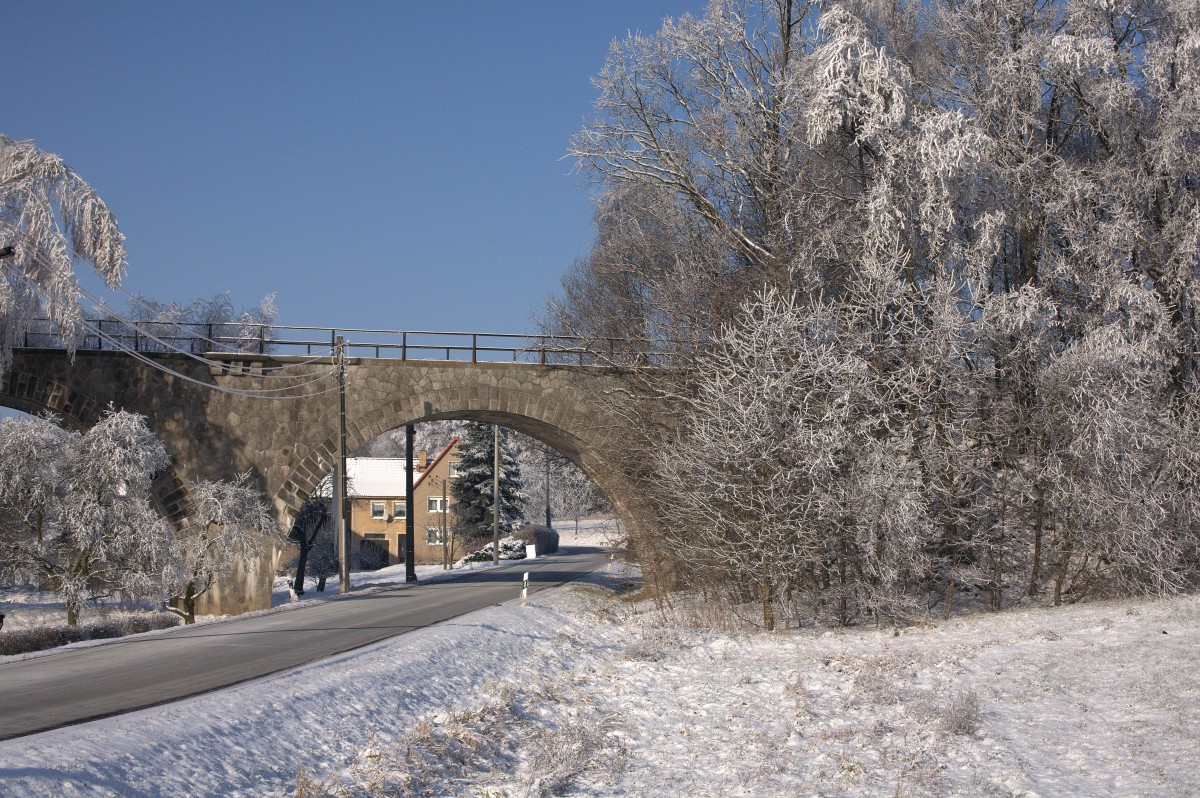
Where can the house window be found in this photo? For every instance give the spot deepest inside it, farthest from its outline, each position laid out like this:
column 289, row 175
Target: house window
column 455, row 470
column 399, row 510
column 433, row 536
column 437, row 504
column 377, row 510
column 375, row 536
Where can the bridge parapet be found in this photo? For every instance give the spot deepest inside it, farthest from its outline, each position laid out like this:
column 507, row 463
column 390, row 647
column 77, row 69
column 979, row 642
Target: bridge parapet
column 282, row 340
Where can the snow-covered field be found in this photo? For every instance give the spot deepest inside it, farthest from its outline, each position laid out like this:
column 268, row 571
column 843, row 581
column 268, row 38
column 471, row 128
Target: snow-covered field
column 581, row 693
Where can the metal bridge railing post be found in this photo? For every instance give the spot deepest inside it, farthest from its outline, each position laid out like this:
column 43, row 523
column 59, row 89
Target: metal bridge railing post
column 474, row 348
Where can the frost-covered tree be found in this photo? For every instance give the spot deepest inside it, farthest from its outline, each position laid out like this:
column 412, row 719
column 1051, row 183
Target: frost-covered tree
column 472, row 489
column 548, row 475
column 77, row 511
column 228, row 523
column 204, row 325
column 52, row 220
column 990, row 206
column 785, row 483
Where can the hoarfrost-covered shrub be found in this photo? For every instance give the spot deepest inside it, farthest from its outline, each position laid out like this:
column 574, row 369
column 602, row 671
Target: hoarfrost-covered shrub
column 786, row 480
column 563, row 752
column 510, row 549
column 75, row 510
column 654, row 645
column 958, row 712
column 39, row 638
column 962, row 714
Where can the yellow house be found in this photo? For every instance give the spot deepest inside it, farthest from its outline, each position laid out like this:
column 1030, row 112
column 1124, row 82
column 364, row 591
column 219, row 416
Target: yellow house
column 377, row 508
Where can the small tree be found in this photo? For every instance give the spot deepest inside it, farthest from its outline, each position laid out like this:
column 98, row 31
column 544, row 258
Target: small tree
column 76, row 507
column 314, row 534
column 229, row 522
column 472, row 490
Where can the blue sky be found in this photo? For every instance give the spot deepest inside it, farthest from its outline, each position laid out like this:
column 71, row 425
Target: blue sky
column 379, row 164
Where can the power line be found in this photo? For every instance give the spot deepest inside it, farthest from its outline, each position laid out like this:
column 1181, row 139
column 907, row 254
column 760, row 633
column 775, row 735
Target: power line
column 262, row 393
column 173, row 348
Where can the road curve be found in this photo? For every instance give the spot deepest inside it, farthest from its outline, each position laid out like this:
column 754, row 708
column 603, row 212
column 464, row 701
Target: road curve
column 79, row 685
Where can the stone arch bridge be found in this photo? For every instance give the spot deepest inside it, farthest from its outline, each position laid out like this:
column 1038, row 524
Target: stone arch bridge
column 214, row 431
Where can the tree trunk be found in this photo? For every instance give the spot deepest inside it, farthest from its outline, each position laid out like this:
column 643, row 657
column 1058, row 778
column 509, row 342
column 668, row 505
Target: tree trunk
column 1035, row 568
column 189, row 603
column 843, row 606
column 767, row 594
column 1064, row 566
column 301, row 563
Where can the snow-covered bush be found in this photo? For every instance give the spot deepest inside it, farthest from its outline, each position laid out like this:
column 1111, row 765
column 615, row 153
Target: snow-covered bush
column 228, row 524
column 785, row 479
column 510, row 549
column 39, row 638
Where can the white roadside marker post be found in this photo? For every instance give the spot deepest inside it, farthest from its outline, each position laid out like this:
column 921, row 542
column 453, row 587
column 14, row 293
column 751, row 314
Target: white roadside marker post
column 524, row 588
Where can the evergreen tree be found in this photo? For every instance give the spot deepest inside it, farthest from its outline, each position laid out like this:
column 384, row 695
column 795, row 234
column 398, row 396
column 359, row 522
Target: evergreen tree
column 472, row 490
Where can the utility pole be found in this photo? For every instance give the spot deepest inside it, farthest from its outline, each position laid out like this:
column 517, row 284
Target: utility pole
column 546, row 457
column 410, row 567
column 447, row 535
column 343, row 500
column 495, row 494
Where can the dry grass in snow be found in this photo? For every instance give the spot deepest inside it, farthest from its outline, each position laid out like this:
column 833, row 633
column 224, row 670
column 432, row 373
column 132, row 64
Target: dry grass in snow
column 581, row 693
column 1096, row 700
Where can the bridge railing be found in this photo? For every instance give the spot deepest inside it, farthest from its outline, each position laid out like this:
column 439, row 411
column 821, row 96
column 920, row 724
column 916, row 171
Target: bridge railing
column 234, row 337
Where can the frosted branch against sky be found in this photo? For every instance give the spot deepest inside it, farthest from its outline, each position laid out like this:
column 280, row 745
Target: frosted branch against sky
column 378, row 164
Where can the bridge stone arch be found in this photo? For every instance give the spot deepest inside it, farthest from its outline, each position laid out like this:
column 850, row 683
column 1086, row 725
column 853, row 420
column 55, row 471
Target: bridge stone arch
column 212, row 429
column 548, row 403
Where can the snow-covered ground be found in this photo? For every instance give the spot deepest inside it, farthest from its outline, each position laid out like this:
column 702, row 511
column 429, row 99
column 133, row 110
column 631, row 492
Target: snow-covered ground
column 579, row 692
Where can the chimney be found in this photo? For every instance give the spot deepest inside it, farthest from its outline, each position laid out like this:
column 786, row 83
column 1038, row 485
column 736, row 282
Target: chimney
column 423, row 460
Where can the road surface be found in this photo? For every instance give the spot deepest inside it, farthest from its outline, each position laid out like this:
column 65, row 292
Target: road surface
column 141, row 671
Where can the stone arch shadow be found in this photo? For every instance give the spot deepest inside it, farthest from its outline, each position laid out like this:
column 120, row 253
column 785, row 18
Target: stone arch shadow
column 37, row 395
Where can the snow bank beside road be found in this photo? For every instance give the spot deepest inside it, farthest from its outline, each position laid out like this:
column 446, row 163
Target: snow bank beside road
column 250, row 740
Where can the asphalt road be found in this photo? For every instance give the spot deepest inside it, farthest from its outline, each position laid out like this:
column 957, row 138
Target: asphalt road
column 137, row 672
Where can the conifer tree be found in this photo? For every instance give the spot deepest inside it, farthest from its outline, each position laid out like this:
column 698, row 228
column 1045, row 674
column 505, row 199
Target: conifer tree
column 472, row 490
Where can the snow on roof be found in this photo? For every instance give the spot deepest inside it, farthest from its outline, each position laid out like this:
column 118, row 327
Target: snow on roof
column 384, row 476
column 375, row 476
